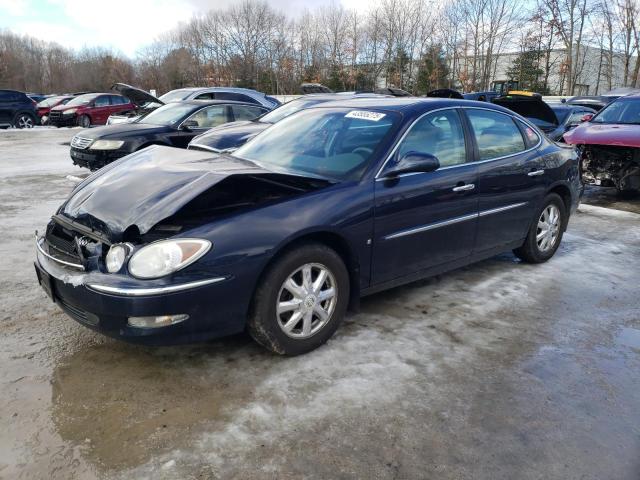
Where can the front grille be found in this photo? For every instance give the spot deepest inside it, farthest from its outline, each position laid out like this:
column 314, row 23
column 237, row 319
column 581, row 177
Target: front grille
column 62, row 245
column 54, row 115
column 80, row 142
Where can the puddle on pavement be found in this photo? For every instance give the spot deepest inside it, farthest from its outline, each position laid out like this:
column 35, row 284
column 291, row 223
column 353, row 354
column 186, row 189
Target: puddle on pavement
column 124, row 404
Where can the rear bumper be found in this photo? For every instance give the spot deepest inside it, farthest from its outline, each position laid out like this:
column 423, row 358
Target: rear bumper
column 95, row 159
column 207, row 302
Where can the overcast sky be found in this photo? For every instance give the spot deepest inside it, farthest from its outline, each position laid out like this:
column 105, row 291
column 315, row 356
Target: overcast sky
column 124, row 25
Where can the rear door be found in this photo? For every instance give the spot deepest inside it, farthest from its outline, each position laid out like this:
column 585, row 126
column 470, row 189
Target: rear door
column 423, row 220
column 511, row 177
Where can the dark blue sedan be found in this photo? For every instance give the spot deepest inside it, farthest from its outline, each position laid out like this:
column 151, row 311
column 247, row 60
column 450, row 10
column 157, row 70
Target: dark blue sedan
column 329, row 204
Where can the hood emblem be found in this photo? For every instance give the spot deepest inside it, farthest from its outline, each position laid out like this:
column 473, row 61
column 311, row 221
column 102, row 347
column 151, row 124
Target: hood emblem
column 83, row 241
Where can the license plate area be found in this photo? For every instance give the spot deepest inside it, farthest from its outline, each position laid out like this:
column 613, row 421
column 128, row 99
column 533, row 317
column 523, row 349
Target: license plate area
column 46, row 282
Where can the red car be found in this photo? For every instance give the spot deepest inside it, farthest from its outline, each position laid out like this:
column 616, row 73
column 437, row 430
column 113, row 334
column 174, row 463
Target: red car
column 47, row 104
column 89, row 109
column 610, row 145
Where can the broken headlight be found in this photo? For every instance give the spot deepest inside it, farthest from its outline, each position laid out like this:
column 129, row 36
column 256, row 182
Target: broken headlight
column 166, row 256
column 106, row 145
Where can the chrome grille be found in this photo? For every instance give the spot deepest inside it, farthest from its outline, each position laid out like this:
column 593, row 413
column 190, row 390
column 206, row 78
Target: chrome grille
column 80, row 142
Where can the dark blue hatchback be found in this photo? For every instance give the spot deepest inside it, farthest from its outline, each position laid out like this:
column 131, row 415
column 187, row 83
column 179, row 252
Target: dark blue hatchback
column 329, row 204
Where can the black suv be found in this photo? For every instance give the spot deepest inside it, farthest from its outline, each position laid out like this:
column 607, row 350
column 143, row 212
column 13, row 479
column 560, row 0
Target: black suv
column 16, row 110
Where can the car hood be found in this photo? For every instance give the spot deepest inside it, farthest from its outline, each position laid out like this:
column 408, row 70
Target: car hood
column 230, row 135
column 528, row 107
column 604, row 134
column 122, row 130
column 60, row 108
column 136, row 95
column 146, row 187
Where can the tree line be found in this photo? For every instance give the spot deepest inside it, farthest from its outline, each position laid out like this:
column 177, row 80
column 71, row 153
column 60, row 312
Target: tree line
column 408, row 44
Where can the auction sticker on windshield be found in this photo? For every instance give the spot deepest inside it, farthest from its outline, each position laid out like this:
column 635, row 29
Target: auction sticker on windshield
column 364, row 115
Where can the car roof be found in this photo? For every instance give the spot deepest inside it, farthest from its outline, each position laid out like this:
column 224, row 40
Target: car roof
column 219, row 89
column 216, row 102
column 409, row 105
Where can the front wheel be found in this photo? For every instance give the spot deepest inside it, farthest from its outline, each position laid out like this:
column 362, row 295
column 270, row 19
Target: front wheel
column 300, row 301
column 23, row 120
column 545, row 232
column 84, row 121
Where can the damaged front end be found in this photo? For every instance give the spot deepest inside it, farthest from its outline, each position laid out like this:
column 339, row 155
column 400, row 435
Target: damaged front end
column 611, row 166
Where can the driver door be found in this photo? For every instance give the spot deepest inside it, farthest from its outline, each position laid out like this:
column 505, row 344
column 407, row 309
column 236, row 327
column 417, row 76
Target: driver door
column 423, row 220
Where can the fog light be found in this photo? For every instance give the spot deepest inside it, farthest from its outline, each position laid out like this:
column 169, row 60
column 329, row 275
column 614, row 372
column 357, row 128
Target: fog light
column 155, row 322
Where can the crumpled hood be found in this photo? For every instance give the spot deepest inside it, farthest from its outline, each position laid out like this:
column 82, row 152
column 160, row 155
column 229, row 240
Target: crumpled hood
column 147, row 187
column 590, row 133
column 230, row 135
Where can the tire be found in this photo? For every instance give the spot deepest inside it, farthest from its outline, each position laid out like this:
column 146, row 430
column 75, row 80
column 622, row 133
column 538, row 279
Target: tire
column 23, row 120
column 308, row 330
column 84, row 121
column 537, row 251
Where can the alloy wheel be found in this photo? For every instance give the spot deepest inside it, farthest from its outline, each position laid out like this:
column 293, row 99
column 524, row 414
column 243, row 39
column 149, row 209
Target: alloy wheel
column 25, row 121
column 548, row 228
column 306, row 301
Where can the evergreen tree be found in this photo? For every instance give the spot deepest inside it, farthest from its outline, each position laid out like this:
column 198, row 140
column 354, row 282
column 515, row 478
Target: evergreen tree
column 526, row 70
column 433, row 71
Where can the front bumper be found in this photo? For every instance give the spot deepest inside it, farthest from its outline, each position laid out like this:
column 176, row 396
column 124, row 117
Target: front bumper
column 95, row 159
column 63, row 120
column 101, row 303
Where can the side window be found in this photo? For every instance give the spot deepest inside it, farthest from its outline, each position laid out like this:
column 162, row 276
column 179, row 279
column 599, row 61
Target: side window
column 209, row 117
column 236, row 97
column 5, row 97
column 530, row 134
column 576, row 117
column 205, row 96
column 102, row 101
column 496, row 134
column 245, row 112
column 118, row 100
column 440, row 134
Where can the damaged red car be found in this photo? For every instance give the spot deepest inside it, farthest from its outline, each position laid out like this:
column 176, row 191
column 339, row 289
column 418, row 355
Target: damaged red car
column 609, row 143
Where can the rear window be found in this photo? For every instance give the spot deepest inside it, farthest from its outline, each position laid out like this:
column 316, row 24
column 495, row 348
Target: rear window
column 236, row 97
column 496, row 134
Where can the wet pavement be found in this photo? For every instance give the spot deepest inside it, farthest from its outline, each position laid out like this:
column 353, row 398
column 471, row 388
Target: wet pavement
column 500, row 370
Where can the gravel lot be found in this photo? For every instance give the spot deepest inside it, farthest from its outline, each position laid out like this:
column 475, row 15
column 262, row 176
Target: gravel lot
column 496, row 371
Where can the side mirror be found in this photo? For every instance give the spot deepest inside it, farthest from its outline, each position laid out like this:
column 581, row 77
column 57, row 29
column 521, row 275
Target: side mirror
column 188, row 125
column 587, row 117
column 414, row 162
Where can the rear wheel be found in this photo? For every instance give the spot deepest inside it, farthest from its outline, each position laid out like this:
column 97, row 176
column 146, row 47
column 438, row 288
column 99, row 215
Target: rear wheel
column 300, row 301
column 545, row 233
column 23, row 120
column 84, row 121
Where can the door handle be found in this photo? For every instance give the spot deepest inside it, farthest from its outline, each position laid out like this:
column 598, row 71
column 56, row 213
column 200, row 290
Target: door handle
column 536, row 173
column 464, row 188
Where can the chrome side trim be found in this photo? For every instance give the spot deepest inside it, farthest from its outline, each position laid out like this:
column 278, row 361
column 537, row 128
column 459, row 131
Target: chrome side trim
column 51, row 257
column 431, row 226
column 199, row 146
column 478, row 162
column 484, row 213
column 451, row 221
column 136, row 292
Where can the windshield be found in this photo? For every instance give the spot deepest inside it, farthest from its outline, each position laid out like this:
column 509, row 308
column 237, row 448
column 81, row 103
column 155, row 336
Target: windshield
column 328, row 143
column 51, row 102
column 620, row 111
column 289, row 108
column 175, row 96
column 168, row 115
column 81, row 100
column 561, row 113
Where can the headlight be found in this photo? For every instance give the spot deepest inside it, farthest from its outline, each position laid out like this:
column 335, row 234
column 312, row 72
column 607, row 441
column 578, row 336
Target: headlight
column 71, row 111
column 116, row 256
column 166, row 256
column 106, row 145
